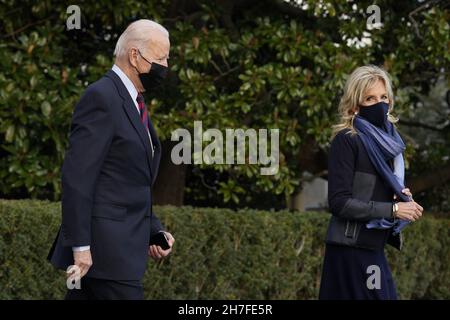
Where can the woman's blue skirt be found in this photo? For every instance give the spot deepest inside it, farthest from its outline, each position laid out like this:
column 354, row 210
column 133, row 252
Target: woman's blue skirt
column 356, row 274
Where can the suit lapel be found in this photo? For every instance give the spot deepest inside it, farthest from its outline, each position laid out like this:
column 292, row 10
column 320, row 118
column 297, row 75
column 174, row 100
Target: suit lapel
column 133, row 116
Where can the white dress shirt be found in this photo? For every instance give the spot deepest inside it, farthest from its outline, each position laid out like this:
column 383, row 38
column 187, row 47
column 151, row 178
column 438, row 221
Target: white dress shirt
column 134, row 94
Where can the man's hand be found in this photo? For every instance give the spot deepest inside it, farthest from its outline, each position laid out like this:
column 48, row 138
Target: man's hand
column 156, row 252
column 83, row 261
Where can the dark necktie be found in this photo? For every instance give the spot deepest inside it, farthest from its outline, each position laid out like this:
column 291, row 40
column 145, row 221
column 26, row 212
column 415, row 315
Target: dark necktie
column 144, row 117
column 142, row 110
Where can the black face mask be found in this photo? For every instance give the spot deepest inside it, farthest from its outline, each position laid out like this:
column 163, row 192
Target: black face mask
column 154, row 77
column 376, row 114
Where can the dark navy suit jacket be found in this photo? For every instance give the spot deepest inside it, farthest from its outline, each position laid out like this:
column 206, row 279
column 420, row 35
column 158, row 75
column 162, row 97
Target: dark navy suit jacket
column 107, row 175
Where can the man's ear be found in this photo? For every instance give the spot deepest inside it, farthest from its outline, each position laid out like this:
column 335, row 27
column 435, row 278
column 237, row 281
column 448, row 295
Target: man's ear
column 132, row 57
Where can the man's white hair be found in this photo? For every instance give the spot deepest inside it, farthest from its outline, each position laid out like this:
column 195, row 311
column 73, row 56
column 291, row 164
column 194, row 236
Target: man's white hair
column 137, row 34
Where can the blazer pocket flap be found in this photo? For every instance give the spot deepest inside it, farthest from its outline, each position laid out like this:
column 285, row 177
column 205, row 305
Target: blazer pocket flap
column 109, row 211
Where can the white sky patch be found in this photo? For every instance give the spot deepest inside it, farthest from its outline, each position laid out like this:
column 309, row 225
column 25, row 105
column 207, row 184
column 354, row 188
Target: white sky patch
column 344, row 16
column 376, row 25
column 358, row 43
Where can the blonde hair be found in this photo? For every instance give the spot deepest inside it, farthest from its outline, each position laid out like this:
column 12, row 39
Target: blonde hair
column 359, row 81
column 137, row 34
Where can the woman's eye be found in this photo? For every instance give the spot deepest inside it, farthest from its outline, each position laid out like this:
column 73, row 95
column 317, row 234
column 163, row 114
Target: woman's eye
column 368, row 98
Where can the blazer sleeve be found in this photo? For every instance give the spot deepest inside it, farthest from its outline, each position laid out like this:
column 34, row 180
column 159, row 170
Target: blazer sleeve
column 89, row 141
column 156, row 225
column 341, row 169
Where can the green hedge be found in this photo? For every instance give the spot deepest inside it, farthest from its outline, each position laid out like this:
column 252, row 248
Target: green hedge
column 220, row 254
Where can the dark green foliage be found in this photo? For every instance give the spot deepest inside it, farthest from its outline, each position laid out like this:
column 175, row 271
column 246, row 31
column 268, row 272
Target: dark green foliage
column 221, row 254
column 234, row 64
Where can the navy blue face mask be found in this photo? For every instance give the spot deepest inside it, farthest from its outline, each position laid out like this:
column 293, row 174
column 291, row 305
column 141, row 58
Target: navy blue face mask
column 376, row 113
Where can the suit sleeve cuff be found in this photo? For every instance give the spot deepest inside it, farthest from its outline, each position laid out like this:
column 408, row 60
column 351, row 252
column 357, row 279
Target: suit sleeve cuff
column 383, row 209
column 83, row 248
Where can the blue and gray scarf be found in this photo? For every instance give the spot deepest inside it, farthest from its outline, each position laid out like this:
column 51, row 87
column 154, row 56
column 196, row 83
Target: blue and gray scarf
column 383, row 146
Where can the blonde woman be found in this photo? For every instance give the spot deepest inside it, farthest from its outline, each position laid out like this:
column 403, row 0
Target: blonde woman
column 367, row 197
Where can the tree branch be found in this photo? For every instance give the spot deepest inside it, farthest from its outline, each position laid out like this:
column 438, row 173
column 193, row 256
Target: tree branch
column 438, row 128
column 417, row 10
column 31, row 24
column 226, row 73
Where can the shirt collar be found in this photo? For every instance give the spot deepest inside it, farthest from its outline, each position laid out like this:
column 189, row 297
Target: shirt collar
column 127, row 82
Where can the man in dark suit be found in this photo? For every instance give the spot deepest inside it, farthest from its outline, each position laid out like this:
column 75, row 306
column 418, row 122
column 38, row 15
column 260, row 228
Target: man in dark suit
column 109, row 168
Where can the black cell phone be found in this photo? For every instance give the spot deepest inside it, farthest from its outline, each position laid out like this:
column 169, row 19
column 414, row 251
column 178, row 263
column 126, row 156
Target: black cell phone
column 160, row 239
